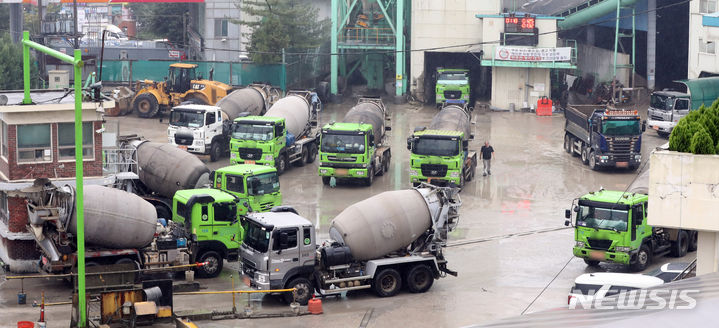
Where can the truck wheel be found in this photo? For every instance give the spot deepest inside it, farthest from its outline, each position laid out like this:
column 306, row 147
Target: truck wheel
column 146, row 105
column 591, row 262
column 305, row 156
column 419, row 279
column 592, row 161
column 281, row 164
column 567, row 143
column 681, row 245
column 304, row 291
column 382, row 168
column 213, row 267
column 215, row 152
column 387, row 283
column 693, row 241
column 313, row 153
column 370, row 176
column 585, row 154
column 642, row 259
column 326, row 180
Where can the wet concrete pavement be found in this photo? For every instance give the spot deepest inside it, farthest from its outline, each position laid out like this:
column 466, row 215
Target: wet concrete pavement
column 533, row 180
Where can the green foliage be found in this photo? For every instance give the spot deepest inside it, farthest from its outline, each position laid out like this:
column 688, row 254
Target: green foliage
column 160, row 20
column 281, row 24
column 702, row 143
column 11, row 66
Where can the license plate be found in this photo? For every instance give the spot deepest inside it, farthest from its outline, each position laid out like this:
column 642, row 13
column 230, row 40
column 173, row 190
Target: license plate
column 249, row 162
column 596, row 255
column 342, row 172
column 655, row 128
column 622, row 164
column 246, row 280
column 183, row 147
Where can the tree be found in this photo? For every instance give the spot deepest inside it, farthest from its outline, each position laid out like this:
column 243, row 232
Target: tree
column 281, row 24
column 702, row 143
column 11, row 65
column 160, row 20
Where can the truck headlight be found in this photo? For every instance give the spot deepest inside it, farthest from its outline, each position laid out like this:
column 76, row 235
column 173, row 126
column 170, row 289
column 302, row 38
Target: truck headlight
column 323, row 171
column 579, row 244
column 360, row 172
column 233, row 155
column 200, row 142
column 261, row 277
column 413, row 172
column 454, row 174
column 269, row 157
column 637, row 157
column 623, row 249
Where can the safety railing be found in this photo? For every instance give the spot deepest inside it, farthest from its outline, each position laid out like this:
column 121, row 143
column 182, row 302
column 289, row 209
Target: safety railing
column 368, row 36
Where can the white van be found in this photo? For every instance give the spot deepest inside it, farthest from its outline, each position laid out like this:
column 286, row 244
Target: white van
column 593, row 286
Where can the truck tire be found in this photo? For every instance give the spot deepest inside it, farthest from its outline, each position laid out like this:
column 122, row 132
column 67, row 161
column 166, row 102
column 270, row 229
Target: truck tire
column 214, row 266
column 643, row 258
column 567, row 143
column 305, row 156
column 592, row 161
column 304, row 291
column 419, row 279
column 326, row 180
column 591, row 263
column 585, row 154
column 313, row 153
column 281, row 164
column 693, row 241
column 387, row 283
column 146, row 105
column 382, row 167
column 370, row 176
column 681, row 245
column 215, row 151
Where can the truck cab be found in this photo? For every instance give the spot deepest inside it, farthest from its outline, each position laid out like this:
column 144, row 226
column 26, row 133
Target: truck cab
column 666, row 108
column 611, row 226
column 257, row 187
column 440, row 157
column 347, row 150
column 210, row 217
column 198, row 129
column 258, row 140
column 279, row 252
column 452, row 84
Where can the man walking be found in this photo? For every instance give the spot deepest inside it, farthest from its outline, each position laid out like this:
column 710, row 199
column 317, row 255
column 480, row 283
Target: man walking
column 486, row 155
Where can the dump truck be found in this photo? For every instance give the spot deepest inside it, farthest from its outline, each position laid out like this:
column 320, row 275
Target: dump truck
column 611, row 226
column 385, row 242
column 204, row 129
column 440, row 154
column 603, row 136
column 181, row 85
column 256, row 186
column 120, row 227
column 356, row 148
column 284, row 135
column 452, row 84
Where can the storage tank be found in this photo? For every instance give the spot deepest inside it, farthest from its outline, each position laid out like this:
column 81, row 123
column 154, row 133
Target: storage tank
column 368, row 111
column 246, row 100
column 116, row 218
column 296, row 111
column 452, row 118
column 165, row 169
column 384, row 223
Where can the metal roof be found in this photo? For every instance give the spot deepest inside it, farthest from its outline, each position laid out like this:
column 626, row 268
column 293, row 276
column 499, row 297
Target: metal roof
column 702, row 91
column 545, row 7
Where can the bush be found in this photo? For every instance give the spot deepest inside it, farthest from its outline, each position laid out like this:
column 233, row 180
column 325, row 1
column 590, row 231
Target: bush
column 702, row 143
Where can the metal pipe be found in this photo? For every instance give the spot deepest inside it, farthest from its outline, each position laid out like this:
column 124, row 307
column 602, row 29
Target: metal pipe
column 102, row 54
column 238, row 292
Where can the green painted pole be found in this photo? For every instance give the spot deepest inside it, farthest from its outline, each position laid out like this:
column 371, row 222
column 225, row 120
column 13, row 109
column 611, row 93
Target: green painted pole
column 400, row 47
column 26, row 100
column 333, row 47
column 634, row 44
column 79, row 208
column 616, row 41
column 283, row 77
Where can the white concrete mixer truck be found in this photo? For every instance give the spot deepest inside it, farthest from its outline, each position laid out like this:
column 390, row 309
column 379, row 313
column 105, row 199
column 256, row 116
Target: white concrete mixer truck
column 382, row 242
column 204, row 129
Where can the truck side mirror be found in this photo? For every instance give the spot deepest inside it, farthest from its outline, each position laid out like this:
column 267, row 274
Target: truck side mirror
column 566, row 222
column 576, row 209
column 465, row 144
column 409, row 143
column 567, row 214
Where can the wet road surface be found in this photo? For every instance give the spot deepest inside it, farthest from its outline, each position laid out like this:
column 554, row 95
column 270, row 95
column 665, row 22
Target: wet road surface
column 533, row 180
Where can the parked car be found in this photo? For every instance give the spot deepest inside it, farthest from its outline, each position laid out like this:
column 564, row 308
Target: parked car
column 593, row 286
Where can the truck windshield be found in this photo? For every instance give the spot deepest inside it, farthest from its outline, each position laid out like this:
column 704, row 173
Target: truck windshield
column 186, row 118
column 436, row 147
column 602, row 218
column 342, row 143
column 256, row 237
column 661, row 102
column 244, row 131
column 620, row 127
column 452, row 77
column 263, row 184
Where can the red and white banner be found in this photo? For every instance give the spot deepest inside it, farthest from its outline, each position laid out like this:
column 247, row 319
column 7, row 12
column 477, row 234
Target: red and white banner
column 532, row 54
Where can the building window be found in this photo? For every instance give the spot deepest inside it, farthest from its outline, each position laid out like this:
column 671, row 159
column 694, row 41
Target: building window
column 33, row 143
column 66, row 141
column 707, row 6
column 4, row 213
column 3, row 135
column 220, row 27
column 706, row 46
